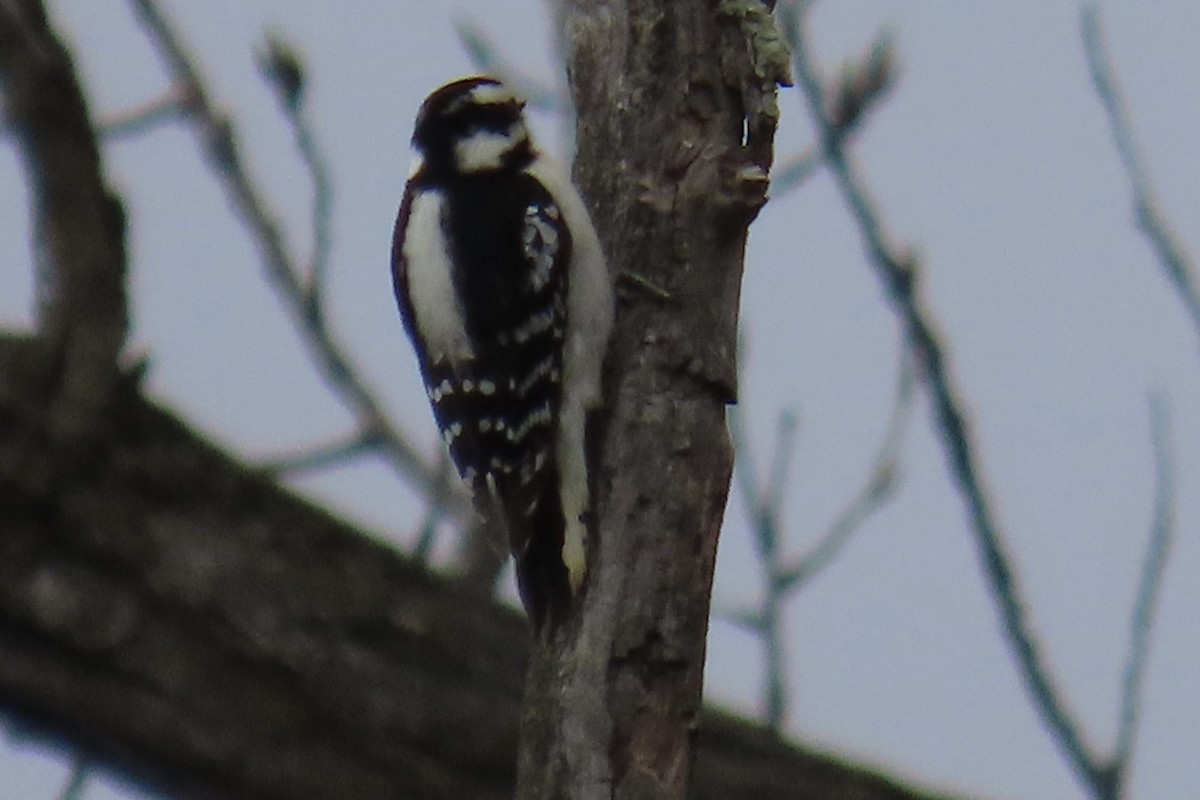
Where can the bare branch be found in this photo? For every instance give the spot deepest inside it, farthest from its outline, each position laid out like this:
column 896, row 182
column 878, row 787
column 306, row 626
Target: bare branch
column 879, row 487
column 284, row 68
column 143, row 118
column 1176, row 262
column 323, row 456
column 763, row 506
column 79, row 228
column 335, row 364
column 77, row 779
column 897, row 271
column 1154, row 564
column 794, row 171
column 538, row 94
column 202, row 632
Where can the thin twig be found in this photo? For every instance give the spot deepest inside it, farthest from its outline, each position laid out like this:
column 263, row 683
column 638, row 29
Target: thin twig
column 764, row 504
column 1175, row 260
column 879, row 487
column 284, row 69
column 136, row 121
column 1149, row 588
column 332, row 360
column 434, row 514
column 322, row 456
column 77, row 780
column 538, row 94
column 897, row 272
column 794, row 171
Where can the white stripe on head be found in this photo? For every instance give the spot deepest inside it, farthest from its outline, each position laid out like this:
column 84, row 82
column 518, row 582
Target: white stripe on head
column 485, row 150
column 492, row 94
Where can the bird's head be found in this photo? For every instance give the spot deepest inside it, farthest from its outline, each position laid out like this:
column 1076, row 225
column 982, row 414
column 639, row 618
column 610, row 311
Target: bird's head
column 471, row 126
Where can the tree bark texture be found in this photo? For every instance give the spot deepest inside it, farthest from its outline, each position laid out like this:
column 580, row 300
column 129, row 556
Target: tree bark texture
column 181, row 619
column 673, row 156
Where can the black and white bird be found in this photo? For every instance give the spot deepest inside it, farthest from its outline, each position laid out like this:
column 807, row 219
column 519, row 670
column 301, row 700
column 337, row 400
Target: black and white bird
column 504, row 291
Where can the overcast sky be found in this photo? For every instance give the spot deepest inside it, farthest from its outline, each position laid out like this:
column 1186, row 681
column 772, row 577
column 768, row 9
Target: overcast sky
column 992, row 160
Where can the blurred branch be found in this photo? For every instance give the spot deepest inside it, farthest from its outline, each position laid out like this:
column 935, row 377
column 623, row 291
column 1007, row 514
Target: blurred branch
column 322, row 457
column 794, row 171
column 139, row 120
column 1175, row 261
column 284, row 69
column 864, row 84
column 538, row 94
column 77, row 779
column 897, row 271
column 1150, row 587
column 879, row 487
column 764, row 507
column 220, row 145
column 202, row 632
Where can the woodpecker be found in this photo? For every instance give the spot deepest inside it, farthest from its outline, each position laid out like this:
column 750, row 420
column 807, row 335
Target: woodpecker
column 503, row 289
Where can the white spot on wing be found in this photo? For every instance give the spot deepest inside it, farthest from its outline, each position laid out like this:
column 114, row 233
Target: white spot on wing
column 539, row 240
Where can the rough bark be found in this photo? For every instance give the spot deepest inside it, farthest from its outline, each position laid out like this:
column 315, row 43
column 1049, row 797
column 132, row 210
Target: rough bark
column 188, row 622
column 672, row 158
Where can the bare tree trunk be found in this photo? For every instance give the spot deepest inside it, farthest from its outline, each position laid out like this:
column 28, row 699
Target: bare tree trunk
column 673, row 154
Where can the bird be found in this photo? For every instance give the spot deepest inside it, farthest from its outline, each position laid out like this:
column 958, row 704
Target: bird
column 505, row 293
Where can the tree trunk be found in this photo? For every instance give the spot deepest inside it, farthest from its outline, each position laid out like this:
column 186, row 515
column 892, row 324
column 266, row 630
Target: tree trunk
column 674, row 149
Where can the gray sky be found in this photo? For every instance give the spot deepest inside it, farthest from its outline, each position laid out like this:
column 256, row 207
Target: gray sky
column 992, row 159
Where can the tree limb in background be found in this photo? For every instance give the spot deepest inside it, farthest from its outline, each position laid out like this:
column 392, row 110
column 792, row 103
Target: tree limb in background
column 1172, row 255
column 282, row 66
column 141, row 119
column 1154, row 564
column 539, row 94
column 79, row 230
column 880, row 485
column 203, row 632
column 297, row 292
column 898, row 273
column 764, row 506
column 77, row 780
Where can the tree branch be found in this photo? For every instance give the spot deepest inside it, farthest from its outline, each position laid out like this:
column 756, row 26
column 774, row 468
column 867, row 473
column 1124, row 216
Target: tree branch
column 898, row 273
column 1176, row 262
column 221, row 147
column 1162, row 530
column 198, row 629
column 79, row 228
